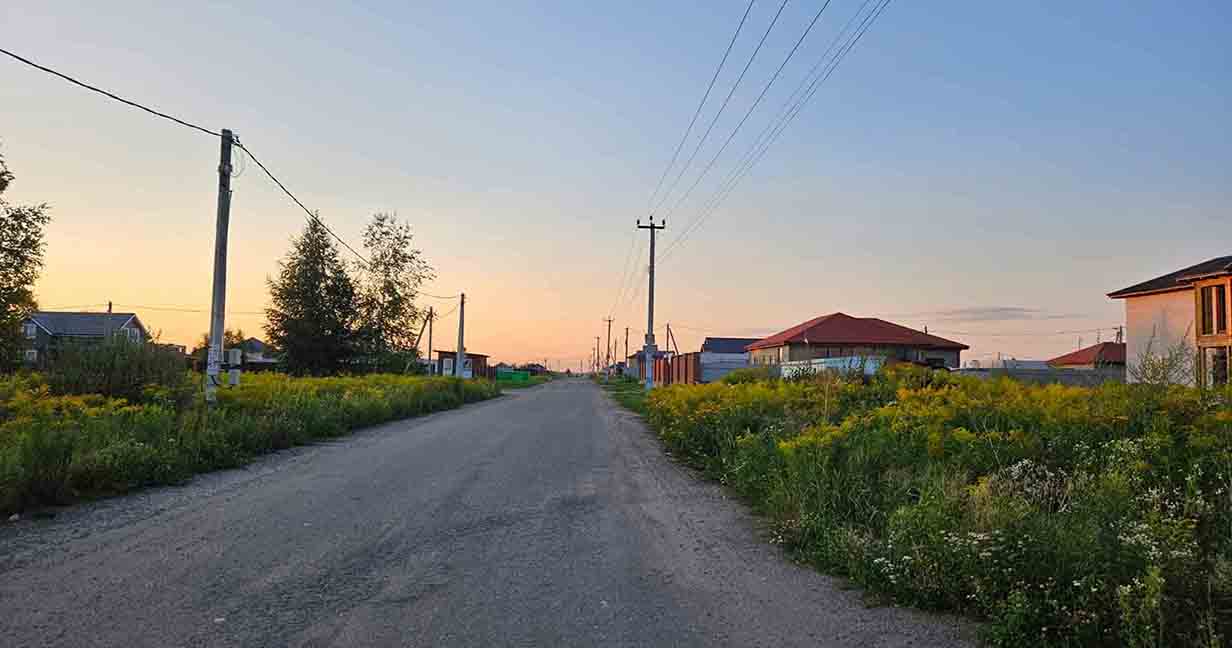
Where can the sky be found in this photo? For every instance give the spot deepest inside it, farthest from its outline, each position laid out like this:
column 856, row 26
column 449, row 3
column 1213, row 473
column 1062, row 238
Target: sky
column 989, row 170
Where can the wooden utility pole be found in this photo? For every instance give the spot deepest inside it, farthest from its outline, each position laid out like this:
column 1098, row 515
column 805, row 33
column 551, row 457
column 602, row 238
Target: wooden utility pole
column 218, row 303
column 648, row 350
column 626, row 345
column 607, row 369
column 460, row 354
column 431, row 362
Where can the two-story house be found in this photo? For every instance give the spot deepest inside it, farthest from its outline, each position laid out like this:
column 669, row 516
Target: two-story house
column 1190, row 305
column 44, row 331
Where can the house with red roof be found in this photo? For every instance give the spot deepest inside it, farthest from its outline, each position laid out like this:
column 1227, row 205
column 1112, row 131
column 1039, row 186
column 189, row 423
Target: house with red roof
column 839, row 335
column 1192, row 306
column 1096, row 356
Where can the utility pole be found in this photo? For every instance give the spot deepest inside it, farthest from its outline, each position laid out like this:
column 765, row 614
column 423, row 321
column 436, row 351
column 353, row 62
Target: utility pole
column 596, row 355
column 218, row 304
column 607, row 369
column 460, row 354
column 431, row 362
column 626, row 358
column 648, row 351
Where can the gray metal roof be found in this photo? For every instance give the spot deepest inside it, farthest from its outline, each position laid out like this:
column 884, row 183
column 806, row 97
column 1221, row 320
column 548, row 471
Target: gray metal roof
column 726, row 344
column 1177, row 280
column 83, row 324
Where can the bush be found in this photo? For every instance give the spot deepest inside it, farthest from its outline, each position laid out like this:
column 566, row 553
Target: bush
column 116, row 368
column 1061, row 515
column 747, row 375
column 57, row 447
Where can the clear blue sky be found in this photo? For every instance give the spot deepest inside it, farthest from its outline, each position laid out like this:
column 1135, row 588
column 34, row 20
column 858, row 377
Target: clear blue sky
column 981, row 167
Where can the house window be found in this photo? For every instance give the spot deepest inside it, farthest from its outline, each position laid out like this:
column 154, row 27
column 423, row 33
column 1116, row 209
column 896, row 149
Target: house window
column 134, row 335
column 1221, row 310
column 1213, row 304
column 31, row 355
column 1215, row 366
column 31, row 330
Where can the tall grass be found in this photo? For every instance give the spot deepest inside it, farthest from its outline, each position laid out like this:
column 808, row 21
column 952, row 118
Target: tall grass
column 1061, row 515
column 54, row 448
column 115, row 367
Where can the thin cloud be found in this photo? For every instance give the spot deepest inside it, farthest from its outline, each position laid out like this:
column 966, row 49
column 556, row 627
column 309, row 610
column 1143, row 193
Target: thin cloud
column 993, row 314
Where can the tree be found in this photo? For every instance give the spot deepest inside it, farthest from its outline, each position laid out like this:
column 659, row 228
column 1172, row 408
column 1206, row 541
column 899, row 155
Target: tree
column 388, row 285
column 21, row 260
column 231, row 339
column 313, row 312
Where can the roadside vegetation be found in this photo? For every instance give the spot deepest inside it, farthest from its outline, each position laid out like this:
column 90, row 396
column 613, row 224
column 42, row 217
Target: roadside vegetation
column 58, row 445
column 629, row 392
column 1060, row 515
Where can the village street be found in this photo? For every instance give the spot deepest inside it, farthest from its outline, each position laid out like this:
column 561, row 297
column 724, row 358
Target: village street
column 547, row 517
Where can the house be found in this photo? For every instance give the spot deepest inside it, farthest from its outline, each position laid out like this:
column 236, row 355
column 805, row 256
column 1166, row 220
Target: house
column 258, row 355
column 727, row 345
column 1189, row 306
column 44, row 330
column 475, row 365
column 839, row 335
column 1104, row 354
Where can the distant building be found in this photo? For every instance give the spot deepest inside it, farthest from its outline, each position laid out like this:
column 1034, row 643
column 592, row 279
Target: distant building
column 1192, row 305
column 45, row 330
column 732, row 345
column 258, row 355
column 475, row 364
column 1104, row 354
column 839, row 335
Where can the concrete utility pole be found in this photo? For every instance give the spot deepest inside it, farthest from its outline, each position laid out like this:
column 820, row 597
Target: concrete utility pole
column 460, row 356
column 218, row 304
column 648, row 351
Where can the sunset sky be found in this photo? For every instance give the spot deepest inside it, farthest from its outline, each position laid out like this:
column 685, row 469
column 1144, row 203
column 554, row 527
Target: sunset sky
column 987, row 169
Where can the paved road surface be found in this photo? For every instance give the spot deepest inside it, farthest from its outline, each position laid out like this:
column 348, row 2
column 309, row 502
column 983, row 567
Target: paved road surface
column 545, row 518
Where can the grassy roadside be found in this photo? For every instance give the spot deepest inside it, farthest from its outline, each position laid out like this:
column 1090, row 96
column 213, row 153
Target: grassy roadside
column 1059, row 516
column 630, row 393
column 533, row 381
column 56, row 449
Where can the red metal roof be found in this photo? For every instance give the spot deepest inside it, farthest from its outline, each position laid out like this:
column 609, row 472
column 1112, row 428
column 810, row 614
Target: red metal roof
column 1102, row 353
column 845, row 330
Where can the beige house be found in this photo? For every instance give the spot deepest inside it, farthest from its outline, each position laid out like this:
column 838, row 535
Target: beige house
column 1192, row 305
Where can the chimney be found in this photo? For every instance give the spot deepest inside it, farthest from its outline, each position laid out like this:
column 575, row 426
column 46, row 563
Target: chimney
column 108, row 306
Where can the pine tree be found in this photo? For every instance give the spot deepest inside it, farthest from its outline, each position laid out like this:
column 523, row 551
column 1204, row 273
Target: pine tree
column 314, row 308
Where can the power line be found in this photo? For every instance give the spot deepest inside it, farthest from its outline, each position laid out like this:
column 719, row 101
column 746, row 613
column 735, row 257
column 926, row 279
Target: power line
column 624, row 272
column 110, row 94
column 182, row 122
column 186, row 309
column 424, row 294
column 715, row 119
column 290, row 195
column 698, row 112
column 747, row 113
column 758, row 150
column 451, row 311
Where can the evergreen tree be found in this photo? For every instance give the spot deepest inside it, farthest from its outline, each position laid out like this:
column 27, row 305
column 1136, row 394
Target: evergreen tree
column 313, row 313
column 21, row 259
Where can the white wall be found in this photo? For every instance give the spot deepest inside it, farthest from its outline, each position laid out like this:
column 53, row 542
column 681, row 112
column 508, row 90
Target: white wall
column 1169, row 317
